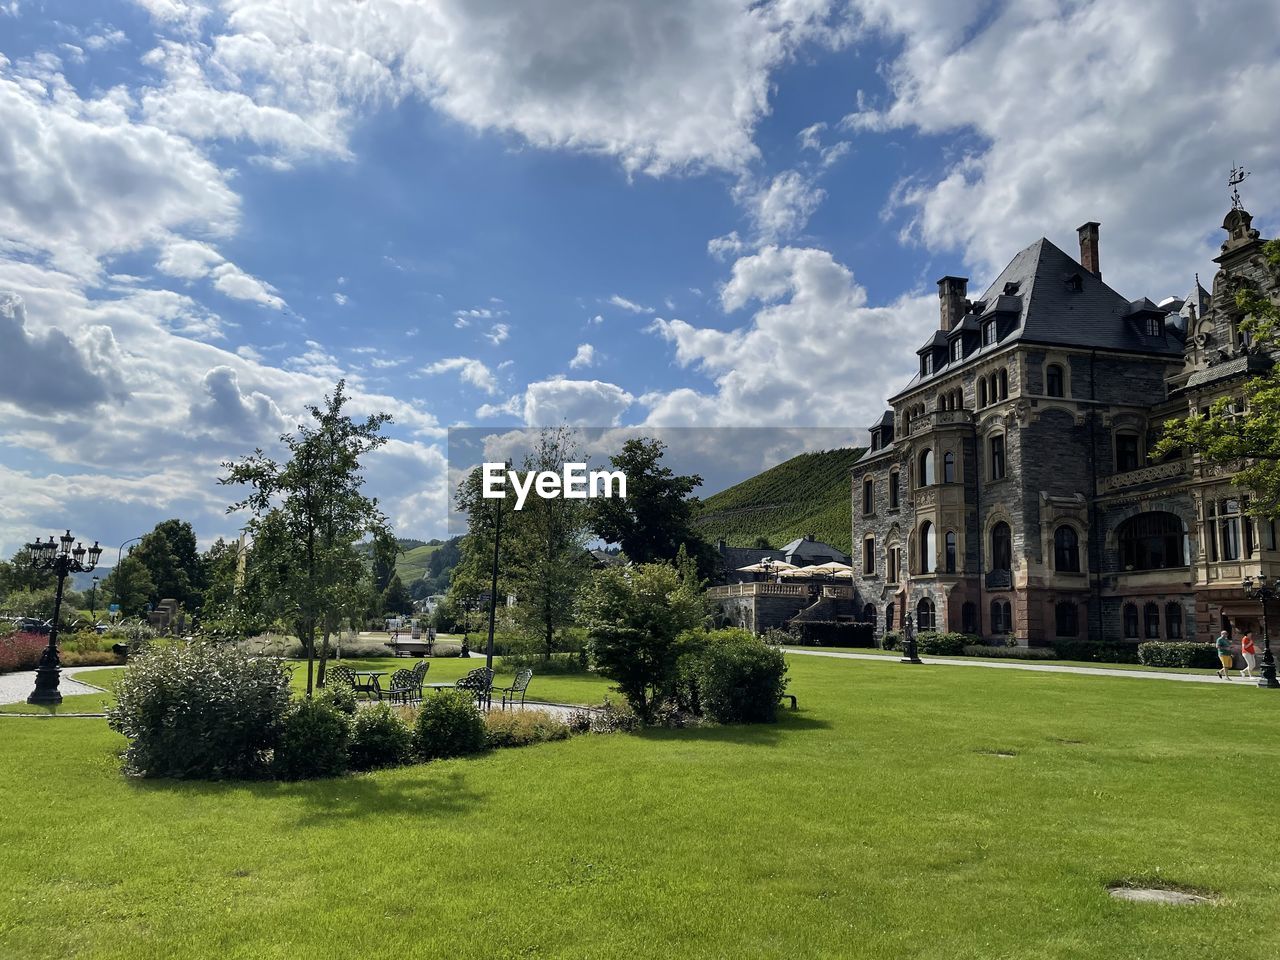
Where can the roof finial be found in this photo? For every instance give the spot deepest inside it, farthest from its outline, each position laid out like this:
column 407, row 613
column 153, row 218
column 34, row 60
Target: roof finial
column 1234, row 179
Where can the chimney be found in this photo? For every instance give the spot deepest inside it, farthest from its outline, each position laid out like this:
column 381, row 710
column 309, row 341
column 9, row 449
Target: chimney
column 951, row 291
column 1089, row 247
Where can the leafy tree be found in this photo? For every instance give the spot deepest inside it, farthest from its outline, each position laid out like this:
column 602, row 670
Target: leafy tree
column 173, row 563
column 634, row 617
column 129, row 584
column 656, row 516
column 309, row 513
column 762, row 543
column 21, row 574
column 1247, row 440
column 395, row 598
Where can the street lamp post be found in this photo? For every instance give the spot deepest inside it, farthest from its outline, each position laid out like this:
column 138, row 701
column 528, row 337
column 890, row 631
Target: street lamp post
column 493, row 587
column 1264, row 592
column 63, row 560
column 93, row 603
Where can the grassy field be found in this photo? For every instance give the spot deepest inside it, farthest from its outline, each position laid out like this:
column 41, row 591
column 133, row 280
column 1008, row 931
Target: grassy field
column 900, row 813
column 412, row 564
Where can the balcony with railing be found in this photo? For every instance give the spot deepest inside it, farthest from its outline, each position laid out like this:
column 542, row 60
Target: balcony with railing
column 1155, row 473
column 932, row 419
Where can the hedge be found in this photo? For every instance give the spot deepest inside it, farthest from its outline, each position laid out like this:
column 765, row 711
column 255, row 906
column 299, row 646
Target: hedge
column 833, row 633
column 1178, row 653
column 1096, row 651
column 944, row 644
column 1010, row 653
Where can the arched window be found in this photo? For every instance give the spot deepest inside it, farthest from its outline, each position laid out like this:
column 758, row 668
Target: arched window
column 1004, row 384
column 1151, row 621
column 1001, row 547
column 888, row 617
column 869, row 613
column 1173, row 620
column 1130, row 621
column 1067, row 619
column 924, row 615
column 950, row 546
column 969, row 618
column 868, row 496
column 982, row 392
column 928, row 547
column 1053, row 380
column 995, row 447
column 948, row 467
column 1152, row 541
column 1066, row 550
column 1001, row 617
column 942, row 401
column 926, row 468
column 891, row 564
column 893, row 490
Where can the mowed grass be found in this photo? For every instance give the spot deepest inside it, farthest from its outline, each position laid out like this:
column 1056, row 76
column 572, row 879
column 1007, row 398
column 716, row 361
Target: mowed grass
column 880, row 820
column 412, row 564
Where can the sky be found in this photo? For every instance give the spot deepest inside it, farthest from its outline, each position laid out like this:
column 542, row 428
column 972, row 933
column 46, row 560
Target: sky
column 714, row 213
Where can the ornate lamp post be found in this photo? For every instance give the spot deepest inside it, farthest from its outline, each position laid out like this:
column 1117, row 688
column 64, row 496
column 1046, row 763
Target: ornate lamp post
column 63, row 560
column 1264, row 592
column 909, row 653
column 93, row 603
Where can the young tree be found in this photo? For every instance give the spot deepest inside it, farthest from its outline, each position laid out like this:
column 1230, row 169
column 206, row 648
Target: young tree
column 308, row 514
column 129, row 584
column 634, row 616
column 656, row 516
column 1246, row 441
column 395, row 598
column 173, row 563
column 20, row 573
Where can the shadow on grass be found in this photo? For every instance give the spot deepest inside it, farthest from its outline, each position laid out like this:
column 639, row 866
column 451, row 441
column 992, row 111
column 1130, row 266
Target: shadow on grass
column 419, row 789
column 754, row 734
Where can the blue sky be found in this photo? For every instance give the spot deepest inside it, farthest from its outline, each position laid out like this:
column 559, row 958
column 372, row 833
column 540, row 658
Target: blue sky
column 715, row 213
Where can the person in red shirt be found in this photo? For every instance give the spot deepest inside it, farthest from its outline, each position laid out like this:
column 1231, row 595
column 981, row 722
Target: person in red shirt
column 1249, row 652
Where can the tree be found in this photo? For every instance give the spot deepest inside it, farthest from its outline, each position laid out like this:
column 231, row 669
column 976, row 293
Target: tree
column 762, row 543
column 129, row 584
column 395, row 598
column 656, row 516
column 173, row 563
column 309, row 513
column 548, row 541
column 20, row 573
column 634, row 617
column 1246, row 441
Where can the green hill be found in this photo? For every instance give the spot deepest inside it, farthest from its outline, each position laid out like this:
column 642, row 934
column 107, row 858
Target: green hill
column 806, row 494
column 412, row 564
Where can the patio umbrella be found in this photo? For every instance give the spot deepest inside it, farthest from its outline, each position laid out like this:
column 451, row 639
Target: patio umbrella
column 833, row 567
column 800, row 572
column 776, row 566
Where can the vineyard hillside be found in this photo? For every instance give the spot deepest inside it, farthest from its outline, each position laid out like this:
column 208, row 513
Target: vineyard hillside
column 806, row 494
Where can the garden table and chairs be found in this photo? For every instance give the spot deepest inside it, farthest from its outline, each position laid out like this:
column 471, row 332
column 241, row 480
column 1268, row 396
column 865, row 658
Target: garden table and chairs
column 477, row 682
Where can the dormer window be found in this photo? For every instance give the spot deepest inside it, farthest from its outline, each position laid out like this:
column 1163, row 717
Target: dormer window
column 926, row 364
column 1075, row 283
column 1011, row 289
column 989, row 333
column 1155, row 326
column 957, row 349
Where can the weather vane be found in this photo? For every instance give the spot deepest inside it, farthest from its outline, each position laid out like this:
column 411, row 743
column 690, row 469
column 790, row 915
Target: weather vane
column 1233, row 181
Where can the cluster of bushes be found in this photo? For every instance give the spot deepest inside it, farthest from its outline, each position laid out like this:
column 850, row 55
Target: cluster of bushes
column 1178, row 653
column 832, row 633
column 1010, row 653
column 210, row 712
column 1096, row 651
column 945, row 644
column 21, row 651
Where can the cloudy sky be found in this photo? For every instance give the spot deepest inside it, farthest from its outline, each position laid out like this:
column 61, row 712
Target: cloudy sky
column 500, row 213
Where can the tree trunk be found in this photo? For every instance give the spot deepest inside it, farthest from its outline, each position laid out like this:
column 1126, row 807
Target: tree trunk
column 324, row 654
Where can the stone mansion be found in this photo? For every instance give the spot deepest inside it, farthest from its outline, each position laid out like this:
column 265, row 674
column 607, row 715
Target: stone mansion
column 1009, row 491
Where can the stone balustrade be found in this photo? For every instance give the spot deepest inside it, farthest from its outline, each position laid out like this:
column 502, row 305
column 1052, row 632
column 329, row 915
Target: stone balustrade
column 1135, row 478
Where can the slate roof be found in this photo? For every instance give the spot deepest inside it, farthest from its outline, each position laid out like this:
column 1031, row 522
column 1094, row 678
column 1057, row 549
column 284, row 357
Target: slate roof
column 1239, row 366
column 804, row 551
column 1049, row 311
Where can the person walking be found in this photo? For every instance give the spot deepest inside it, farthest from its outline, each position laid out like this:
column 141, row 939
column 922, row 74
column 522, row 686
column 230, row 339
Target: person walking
column 1250, row 654
column 1223, row 644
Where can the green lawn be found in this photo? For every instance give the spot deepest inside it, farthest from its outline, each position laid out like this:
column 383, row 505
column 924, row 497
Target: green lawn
column 897, row 655
column 412, row 564
column 878, row 821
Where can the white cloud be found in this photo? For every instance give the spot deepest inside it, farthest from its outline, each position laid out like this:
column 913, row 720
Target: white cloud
column 813, row 354
column 513, row 407
column 811, row 138
column 730, row 245
column 469, row 371
column 584, row 357
column 498, row 333
column 629, row 305
column 1124, row 113
column 340, row 299
column 779, row 209
column 576, row 402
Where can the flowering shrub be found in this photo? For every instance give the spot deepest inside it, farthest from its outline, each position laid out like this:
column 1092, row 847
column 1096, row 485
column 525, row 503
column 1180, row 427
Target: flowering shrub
column 21, row 651
column 516, row 728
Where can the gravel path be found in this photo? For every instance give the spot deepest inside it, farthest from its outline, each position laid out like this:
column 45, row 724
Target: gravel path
column 16, row 687
column 1236, row 680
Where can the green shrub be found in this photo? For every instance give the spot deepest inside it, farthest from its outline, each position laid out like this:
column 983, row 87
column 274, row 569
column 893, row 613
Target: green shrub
column 892, row 640
column 340, row 696
column 738, row 677
column 611, row 718
column 1096, row 651
column 449, row 725
column 379, row 738
column 1010, row 653
column 1178, row 653
column 313, row 742
column 560, row 664
column 832, row 633
column 200, row 711
column 944, row 644
column 517, row 728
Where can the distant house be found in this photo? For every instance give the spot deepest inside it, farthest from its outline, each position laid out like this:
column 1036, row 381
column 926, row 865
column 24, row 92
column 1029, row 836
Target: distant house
column 803, row 552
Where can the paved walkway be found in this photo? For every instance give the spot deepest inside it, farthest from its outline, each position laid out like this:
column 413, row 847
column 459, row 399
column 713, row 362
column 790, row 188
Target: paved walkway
column 16, row 687
column 1236, row 681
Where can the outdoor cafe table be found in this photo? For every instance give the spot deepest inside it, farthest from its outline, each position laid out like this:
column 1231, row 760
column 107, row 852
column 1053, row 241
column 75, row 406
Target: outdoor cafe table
column 371, row 684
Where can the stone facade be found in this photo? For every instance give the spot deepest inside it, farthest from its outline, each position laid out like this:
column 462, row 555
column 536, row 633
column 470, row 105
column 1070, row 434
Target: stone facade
column 1027, row 507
